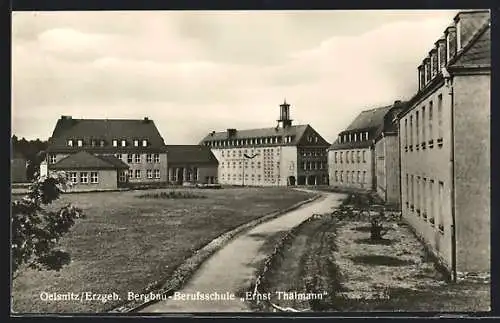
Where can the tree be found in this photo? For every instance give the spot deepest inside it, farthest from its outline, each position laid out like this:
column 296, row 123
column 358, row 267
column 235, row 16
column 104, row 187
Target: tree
column 36, row 231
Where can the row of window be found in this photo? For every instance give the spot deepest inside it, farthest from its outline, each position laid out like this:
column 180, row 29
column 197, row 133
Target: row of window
column 311, row 153
column 102, row 143
column 419, row 127
column 253, row 177
column 83, row 177
column 425, row 197
column 352, row 156
column 136, row 158
column 310, row 165
column 136, row 173
column 239, row 153
column 190, row 174
column 355, row 136
column 250, row 141
column 353, row 177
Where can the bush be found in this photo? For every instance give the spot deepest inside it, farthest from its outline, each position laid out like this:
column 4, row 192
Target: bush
column 171, row 195
column 36, row 231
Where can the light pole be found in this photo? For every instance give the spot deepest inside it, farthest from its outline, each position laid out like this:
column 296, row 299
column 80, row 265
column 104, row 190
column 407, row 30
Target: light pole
column 246, row 157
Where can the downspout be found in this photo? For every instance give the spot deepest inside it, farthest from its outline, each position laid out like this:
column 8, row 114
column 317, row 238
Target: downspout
column 400, row 168
column 449, row 84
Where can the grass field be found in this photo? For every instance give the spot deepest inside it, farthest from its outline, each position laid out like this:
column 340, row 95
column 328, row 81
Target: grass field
column 126, row 242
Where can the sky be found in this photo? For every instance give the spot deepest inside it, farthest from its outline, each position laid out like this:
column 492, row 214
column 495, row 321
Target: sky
column 194, row 72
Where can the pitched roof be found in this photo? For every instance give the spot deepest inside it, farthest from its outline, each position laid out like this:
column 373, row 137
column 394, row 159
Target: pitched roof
column 477, row 51
column 85, row 160
column 295, row 131
column 372, row 121
column 107, row 130
column 190, row 154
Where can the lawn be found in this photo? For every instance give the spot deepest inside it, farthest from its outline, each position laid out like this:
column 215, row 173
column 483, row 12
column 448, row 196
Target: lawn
column 357, row 274
column 126, row 243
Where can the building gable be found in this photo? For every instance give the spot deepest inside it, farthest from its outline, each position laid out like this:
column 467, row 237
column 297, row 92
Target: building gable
column 311, row 137
column 85, row 160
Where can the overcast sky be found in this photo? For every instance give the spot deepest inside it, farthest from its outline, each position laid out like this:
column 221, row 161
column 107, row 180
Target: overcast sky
column 194, row 72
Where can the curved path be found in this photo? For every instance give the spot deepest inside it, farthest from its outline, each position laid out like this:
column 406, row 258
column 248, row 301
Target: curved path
column 233, row 268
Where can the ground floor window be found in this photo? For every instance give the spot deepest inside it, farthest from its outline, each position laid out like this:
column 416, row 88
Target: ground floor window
column 122, row 177
column 157, row 173
column 149, row 173
column 84, row 177
column 195, row 173
column 94, row 177
column 137, row 173
column 72, row 178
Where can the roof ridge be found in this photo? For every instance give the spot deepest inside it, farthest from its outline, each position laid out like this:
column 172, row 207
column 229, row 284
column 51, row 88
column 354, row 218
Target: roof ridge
column 253, row 129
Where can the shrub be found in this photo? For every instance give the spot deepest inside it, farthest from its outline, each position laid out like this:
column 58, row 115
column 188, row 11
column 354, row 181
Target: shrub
column 36, row 231
column 171, row 195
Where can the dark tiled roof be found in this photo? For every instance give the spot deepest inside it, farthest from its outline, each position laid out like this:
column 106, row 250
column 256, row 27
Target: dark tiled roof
column 107, row 130
column 477, row 51
column 296, row 131
column 85, row 160
column 374, row 121
column 190, row 154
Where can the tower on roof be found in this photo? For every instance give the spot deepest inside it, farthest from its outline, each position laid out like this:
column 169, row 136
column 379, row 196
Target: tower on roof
column 284, row 119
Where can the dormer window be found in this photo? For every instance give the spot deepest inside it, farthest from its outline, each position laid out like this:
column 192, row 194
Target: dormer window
column 102, row 143
column 366, row 135
column 124, row 143
column 79, row 143
column 115, row 143
column 136, row 143
column 355, row 137
column 70, row 142
column 93, row 142
column 350, row 137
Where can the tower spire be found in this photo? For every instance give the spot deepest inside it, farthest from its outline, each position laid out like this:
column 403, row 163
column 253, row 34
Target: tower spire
column 285, row 115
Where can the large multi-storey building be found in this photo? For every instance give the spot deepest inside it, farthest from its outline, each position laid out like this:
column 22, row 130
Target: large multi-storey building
column 137, row 143
column 351, row 158
column 445, row 147
column 284, row 155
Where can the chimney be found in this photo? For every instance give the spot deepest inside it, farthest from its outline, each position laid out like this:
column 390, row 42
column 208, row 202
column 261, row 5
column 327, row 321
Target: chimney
column 441, row 53
column 231, row 132
column 451, row 42
column 433, row 62
column 427, row 69
column 421, row 77
column 467, row 24
column 66, row 117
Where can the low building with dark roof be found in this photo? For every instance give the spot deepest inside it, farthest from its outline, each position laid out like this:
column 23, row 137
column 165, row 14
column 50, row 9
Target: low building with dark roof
column 191, row 165
column 445, row 147
column 135, row 142
column 276, row 156
column 351, row 158
column 89, row 172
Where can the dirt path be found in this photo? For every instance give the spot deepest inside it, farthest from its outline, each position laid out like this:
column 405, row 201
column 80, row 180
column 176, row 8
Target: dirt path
column 233, row 268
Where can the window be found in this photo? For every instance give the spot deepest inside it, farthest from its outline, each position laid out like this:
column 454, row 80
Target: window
column 149, row 173
column 411, row 133
column 137, row 158
column 352, row 176
column 137, row 173
column 364, row 156
column 336, row 157
column 336, row 176
column 440, row 120
column 431, row 135
column 72, row 178
column 430, row 211
column 129, row 158
column 79, row 143
column 144, row 143
column 195, row 173
column 84, row 177
column 417, row 201
column 412, row 193
column 52, row 159
column 70, row 143
column 364, row 177
column 124, row 143
column 130, row 173
column 440, row 221
column 136, row 143
column 115, row 143
column 352, row 156
column 407, row 192
column 94, row 177
column 359, row 177
column 423, row 128
column 122, row 177
column 93, row 142
column 424, row 198
column 149, row 158
column 358, row 156
column 156, row 158
column 341, row 157
column 347, row 176
column 406, row 134
column 119, row 156
column 347, row 157
column 417, row 143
